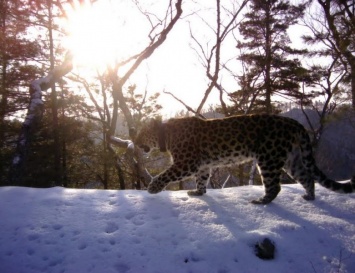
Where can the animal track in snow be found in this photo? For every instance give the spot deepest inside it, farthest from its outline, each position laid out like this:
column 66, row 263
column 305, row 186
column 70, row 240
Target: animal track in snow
column 111, row 227
column 122, row 268
column 112, row 202
column 130, row 215
column 82, row 246
column 33, row 237
column 193, row 258
column 57, row 226
column 55, row 262
column 138, row 221
column 76, row 232
column 156, row 217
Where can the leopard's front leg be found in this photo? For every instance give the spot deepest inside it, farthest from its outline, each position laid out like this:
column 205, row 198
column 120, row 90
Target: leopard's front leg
column 202, row 179
column 156, row 185
column 173, row 174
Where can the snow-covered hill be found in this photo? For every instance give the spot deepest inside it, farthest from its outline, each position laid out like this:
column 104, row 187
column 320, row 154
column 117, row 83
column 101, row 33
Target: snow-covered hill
column 66, row 230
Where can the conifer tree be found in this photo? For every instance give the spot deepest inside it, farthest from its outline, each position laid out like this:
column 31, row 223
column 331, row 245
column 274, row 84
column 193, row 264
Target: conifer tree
column 272, row 64
column 46, row 13
column 17, row 54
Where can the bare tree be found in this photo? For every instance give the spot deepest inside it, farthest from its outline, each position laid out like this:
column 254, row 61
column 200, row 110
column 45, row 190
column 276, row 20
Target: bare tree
column 328, row 79
column 226, row 21
column 157, row 36
column 331, row 76
column 337, row 31
column 211, row 58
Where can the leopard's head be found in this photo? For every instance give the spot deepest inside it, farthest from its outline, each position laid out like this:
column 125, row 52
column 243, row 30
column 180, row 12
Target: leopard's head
column 148, row 136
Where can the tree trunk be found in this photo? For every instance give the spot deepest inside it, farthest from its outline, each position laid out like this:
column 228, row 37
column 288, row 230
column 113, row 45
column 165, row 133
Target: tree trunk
column 56, row 141
column 3, row 103
column 64, row 146
column 4, row 64
column 268, row 89
column 352, row 67
column 105, row 157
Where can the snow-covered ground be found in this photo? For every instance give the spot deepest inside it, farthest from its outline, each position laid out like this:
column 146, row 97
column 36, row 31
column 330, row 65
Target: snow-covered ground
column 67, row 230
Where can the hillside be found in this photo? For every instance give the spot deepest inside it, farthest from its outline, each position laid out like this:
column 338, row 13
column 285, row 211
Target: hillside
column 73, row 231
column 335, row 152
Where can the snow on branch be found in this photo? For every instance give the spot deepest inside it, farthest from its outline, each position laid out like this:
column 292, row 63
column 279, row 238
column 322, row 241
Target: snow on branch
column 123, row 143
column 133, row 156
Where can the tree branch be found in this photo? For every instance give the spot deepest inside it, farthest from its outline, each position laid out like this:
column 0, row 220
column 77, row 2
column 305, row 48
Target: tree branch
column 118, row 83
column 186, row 106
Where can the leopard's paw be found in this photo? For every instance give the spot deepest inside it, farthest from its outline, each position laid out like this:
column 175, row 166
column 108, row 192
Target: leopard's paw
column 261, row 201
column 308, row 197
column 195, row 193
column 155, row 187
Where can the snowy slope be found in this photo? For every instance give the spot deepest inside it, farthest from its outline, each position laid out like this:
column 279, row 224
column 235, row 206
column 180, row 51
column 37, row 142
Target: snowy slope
column 67, row 230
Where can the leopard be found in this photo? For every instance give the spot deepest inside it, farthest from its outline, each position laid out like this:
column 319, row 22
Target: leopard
column 197, row 146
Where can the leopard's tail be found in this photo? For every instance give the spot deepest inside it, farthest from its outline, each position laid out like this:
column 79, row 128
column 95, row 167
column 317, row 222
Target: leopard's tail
column 342, row 187
column 318, row 175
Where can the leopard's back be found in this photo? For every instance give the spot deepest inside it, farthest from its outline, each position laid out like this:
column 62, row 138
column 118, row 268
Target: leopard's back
column 222, row 141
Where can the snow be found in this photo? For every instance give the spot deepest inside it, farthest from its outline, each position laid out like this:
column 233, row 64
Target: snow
column 72, row 230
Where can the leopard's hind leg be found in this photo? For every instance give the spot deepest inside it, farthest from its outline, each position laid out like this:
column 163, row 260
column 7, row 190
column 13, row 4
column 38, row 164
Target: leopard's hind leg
column 271, row 172
column 202, row 178
column 297, row 170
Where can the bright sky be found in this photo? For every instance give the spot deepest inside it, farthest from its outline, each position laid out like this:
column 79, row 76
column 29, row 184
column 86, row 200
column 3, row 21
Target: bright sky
column 114, row 30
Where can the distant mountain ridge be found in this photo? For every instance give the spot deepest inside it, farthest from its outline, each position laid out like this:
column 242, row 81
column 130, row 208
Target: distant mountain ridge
column 335, row 152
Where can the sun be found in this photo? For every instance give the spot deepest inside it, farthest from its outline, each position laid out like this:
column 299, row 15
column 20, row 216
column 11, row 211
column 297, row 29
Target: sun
column 101, row 33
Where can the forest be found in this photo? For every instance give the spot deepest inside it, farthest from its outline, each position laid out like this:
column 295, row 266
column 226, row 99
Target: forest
column 71, row 87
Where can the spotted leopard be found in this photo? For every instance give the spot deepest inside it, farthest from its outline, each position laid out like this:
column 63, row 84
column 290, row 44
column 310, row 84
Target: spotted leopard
column 197, row 145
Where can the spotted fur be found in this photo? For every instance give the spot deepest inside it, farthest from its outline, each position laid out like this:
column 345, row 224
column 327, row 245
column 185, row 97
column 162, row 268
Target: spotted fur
column 197, row 145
